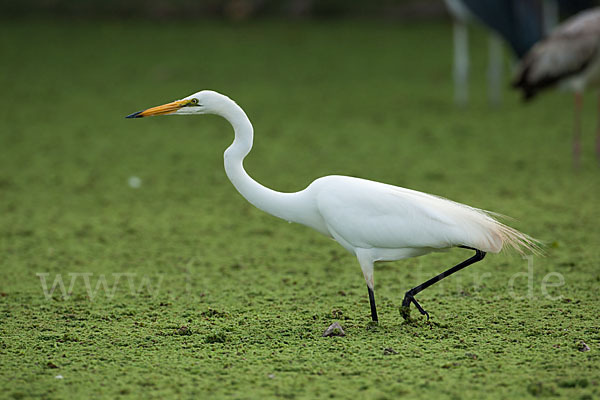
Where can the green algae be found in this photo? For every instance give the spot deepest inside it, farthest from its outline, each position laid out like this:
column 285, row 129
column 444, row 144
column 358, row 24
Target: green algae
column 182, row 289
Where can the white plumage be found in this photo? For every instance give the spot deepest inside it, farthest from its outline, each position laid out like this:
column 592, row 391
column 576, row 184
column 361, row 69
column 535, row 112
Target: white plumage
column 372, row 220
column 392, row 217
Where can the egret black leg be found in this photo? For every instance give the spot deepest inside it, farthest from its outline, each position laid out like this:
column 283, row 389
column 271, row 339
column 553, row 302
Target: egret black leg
column 373, row 307
column 409, row 297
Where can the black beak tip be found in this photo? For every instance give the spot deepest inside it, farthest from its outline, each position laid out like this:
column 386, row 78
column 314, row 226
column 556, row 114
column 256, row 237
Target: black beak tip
column 135, row 115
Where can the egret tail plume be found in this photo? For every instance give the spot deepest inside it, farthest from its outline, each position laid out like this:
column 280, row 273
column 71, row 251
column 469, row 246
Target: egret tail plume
column 517, row 240
column 495, row 236
column 470, row 226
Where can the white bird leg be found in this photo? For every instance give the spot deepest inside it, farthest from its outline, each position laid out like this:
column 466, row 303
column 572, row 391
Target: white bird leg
column 495, row 69
column 550, row 14
column 461, row 63
column 577, row 130
column 366, row 264
column 409, row 297
column 598, row 131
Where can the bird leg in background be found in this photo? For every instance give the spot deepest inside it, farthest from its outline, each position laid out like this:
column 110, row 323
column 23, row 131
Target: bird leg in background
column 495, row 70
column 409, row 297
column 598, row 131
column 577, row 130
column 461, row 63
column 550, row 13
column 373, row 307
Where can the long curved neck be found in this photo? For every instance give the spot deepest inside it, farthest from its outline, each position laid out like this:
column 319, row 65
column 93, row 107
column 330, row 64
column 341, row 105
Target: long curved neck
column 282, row 205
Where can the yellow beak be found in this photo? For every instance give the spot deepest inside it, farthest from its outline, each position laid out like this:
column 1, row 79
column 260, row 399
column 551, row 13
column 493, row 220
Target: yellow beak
column 160, row 110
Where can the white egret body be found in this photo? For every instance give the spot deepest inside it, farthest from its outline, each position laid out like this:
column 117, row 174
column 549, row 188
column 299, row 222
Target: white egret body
column 372, row 220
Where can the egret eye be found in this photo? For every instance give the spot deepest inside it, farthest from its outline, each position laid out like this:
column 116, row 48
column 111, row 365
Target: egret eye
column 194, row 101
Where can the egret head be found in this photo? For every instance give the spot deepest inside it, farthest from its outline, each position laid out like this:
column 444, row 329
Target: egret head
column 203, row 102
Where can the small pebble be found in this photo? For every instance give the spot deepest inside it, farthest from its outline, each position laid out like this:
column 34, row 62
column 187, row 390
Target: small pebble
column 582, row 346
column 134, row 182
column 389, row 351
column 184, row 331
column 334, row 329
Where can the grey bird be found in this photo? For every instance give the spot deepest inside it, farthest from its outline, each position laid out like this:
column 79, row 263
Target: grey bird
column 570, row 59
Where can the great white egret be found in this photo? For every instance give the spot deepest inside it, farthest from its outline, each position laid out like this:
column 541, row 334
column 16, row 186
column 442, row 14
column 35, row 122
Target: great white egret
column 568, row 58
column 372, row 220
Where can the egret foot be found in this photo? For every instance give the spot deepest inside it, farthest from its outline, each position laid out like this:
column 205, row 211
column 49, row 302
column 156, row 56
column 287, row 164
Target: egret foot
column 405, row 312
column 409, row 297
column 405, row 309
column 372, row 326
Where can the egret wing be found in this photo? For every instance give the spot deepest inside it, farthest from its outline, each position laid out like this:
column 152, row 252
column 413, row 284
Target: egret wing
column 369, row 214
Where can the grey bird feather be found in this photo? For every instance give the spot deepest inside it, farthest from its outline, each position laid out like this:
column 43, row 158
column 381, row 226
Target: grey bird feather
column 572, row 51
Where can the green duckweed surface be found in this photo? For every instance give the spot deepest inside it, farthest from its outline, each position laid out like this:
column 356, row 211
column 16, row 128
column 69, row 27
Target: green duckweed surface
column 175, row 286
